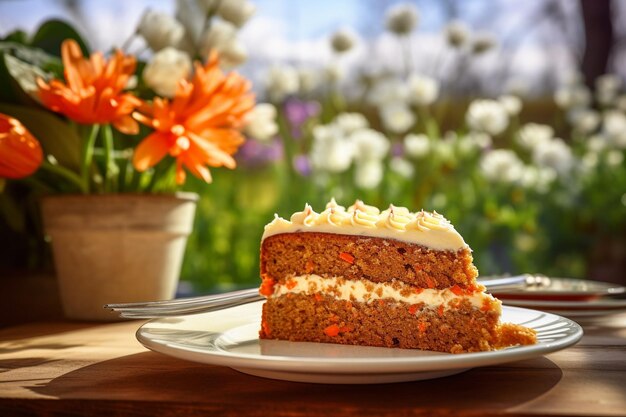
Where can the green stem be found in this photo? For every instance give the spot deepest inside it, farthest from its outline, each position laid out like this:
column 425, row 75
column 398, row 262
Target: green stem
column 87, row 158
column 110, row 165
column 68, row 175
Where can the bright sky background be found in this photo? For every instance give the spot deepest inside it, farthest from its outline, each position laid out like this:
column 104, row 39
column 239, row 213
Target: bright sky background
column 297, row 31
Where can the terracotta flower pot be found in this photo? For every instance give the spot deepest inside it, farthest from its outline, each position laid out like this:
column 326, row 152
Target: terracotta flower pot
column 116, row 248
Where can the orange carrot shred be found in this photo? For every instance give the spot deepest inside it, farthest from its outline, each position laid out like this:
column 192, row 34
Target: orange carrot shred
column 440, row 310
column 418, row 290
column 347, row 257
column 457, row 290
column 309, row 266
column 413, row 309
column 267, row 286
column 430, row 282
column 318, row 297
column 266, row 329
column 291, row 284
column 332, row 330
column 421, row 326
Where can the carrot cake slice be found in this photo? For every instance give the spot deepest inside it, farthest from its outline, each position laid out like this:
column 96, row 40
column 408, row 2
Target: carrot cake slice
column 364, row 277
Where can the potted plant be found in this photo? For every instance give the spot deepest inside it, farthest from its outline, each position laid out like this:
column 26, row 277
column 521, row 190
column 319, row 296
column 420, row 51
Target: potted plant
column 114, row 156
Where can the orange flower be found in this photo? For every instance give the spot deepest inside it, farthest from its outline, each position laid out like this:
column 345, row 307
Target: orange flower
column 93, row 93
column 20, row 153
column 200, row 126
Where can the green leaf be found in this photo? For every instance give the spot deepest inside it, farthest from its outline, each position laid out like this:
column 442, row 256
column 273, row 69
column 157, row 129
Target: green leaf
column 57, row 137
column 19, row 66
column 17, row 36
column 51, row 35
column 24, row 79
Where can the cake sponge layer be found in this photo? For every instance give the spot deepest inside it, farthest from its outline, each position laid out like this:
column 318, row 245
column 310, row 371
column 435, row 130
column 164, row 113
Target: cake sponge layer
column 371, row 258
column 386, row 323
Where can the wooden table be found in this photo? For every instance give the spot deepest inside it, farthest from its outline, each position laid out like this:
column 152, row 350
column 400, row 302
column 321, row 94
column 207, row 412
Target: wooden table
column 63, row 368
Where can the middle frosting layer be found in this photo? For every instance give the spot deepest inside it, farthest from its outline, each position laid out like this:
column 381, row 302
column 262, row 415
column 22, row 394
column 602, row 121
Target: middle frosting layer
column 423, row 228
column 368, row 291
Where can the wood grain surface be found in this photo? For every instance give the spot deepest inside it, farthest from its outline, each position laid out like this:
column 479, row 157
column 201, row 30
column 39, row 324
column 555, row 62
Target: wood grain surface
column 63, row 368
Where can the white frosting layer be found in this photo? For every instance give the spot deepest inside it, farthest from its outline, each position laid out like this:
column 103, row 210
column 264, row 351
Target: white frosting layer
column 352, row 290
column 431, row 230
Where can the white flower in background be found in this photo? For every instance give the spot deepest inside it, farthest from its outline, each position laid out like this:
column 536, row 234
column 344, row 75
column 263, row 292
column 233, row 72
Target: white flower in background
column 401, row 167
column 584, row 120
column 538, row 179
column 388, row 91
column 614, row 158
column 554, row 154
column 308, row 80
column 208, row 6
column 233, row 55
column 402, row 19
column 369, row 144
column 236, row 12
column 512, row 104
column 343, row 40
column 261, row 122
column 444, row 149
column 573, row 96
column 472, row 142
column 351, row 122
column 486, row 115
column 573, row 77
column 333, row 73
column 282, row 81
column 368, row 174
column 160, row 30
column 532, row 135
column 614, row 127
column 597, row 143
column 607, row 88
column 483, row 42
column 620, row 103
column 423, row 90
column 417, row 145
column 222, row 37
column 397, row 118
column 482, row 140
column 589, row 162
column 166, row 68
column 331, row 151
column 501, row 165
column 457, row 33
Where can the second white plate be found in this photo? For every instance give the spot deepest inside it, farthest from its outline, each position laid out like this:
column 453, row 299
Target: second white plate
column 230, row 338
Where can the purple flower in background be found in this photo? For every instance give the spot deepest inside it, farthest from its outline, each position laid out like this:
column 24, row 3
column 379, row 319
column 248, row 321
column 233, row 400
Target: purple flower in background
column 397, row 150
column 298, row 112
column 302, row 165
column 254, row 154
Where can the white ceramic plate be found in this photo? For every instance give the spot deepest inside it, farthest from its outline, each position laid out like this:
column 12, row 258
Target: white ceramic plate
column 590, row 308
column 230, row 338
column 562, row 289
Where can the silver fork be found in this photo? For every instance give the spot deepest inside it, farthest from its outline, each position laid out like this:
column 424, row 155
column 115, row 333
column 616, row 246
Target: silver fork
column 203, row 304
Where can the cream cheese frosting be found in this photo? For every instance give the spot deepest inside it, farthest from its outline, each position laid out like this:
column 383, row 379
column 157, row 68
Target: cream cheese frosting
column 431, row 230
column 367, row 291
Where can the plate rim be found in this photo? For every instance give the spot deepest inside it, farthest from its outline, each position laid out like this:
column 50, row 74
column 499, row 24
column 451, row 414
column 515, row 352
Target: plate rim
column 364, row 365
column 610, row 288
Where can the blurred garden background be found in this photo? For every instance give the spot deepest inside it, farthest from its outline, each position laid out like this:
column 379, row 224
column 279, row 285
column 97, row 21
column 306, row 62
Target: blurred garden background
column 507, row 117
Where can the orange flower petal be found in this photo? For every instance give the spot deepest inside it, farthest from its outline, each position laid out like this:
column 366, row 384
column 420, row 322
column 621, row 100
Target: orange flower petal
column 150, row 151
column 20, row 152
column 126, row 124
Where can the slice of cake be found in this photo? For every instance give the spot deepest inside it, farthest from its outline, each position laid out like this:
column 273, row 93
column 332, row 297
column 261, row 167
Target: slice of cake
column 364, row 277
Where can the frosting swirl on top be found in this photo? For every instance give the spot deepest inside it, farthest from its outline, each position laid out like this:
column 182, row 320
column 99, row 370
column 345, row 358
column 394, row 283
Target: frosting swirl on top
column 424, row 228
